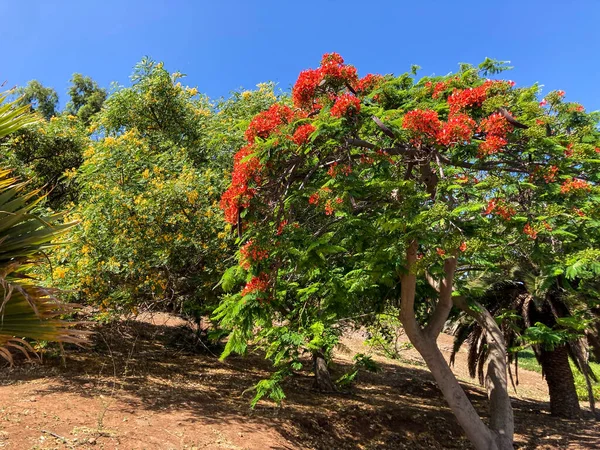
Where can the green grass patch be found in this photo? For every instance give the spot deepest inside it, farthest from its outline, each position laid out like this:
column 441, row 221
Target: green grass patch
column 527, row 361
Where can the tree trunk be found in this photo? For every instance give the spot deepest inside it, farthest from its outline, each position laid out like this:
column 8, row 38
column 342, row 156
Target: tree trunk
column 424, row 340
column 561, row 384
column 323, row 380
column 496, row 380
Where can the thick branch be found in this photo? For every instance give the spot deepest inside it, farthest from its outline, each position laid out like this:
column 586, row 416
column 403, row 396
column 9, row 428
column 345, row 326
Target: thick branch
column 444, row 305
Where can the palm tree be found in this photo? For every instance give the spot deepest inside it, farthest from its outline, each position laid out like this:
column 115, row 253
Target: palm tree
column 535, row 308
column 27, row 311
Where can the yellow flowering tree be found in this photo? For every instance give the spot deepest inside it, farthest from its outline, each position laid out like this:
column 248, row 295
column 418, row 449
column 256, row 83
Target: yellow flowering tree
column 151, row 233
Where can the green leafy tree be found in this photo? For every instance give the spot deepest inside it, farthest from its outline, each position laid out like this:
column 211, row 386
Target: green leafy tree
column 416, row 185
column 86, row 96
column 48, row 153
column 41, row 99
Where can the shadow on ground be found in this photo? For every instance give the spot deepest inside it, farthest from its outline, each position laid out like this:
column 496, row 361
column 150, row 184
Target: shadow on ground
column 150, row 367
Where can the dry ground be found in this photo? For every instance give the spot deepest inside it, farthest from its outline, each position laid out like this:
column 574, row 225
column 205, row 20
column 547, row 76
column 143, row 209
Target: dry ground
column 141, row 387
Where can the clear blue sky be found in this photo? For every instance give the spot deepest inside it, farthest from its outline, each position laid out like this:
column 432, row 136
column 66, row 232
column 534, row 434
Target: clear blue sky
column 223, row 45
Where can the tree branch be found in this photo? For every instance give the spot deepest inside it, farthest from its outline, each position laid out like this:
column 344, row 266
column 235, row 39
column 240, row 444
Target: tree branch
column 444, row 305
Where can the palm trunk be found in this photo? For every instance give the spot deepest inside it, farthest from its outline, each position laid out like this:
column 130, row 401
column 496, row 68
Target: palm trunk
column 561, row 384
column 323, row 380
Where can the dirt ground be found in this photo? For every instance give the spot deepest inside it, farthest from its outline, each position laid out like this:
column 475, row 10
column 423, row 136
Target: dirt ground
column 140, row 386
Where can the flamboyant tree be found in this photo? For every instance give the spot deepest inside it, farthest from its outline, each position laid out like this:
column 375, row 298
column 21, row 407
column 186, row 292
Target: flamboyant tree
column 364, row 187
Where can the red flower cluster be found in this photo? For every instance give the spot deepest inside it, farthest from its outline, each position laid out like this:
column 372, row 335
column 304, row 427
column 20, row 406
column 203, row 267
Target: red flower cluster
column 463, row 246
column 302, row 134
column 576, row 108
column 529, row 231
column 246, row 168
column 345, row 104
column 574, row 185
column 440, row 251
column 333, row 59
column 332, row 69
column 314, row 199
column 496, row 128
column 257, row 284
column 328, row 208
column 250, row 255
column 550, row 174
column 368, row 82
column 264, row 123
column 462, row 98
column 281, row 227
column 439, row 88
column 305, row 88
column 504, row 211
column 421, row 121
column 334, row 171
column 459, row 128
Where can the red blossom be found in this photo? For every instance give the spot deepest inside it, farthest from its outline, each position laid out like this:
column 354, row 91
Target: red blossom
column 281, row 227
column 550, row 174
column 331, row 172
column 463, row 98
column 368, row 82
column 329, row 208
column 257, row 284
column 264, row 123
column 463, row 246
column 303, row 92
column 246, row 169
column 345, row 105
column 543, row 103
column 440, row 251
column 302, row 134
column 574, row 184
column 334, row 69
column 506, row 212
column 332, row 59
column 496, row 128
column 576, row 108
column 501, row 209
column 250, row 255
column 439, row 88
column 423, row 122
column 529, row 231
column 458, row 129
column 314, row 199
column 492, row 144
column 490, row 206
column 561, row 93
